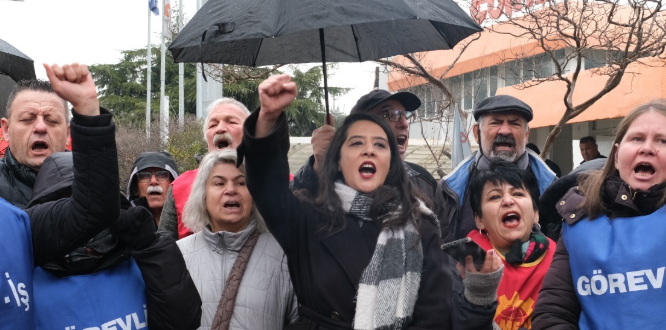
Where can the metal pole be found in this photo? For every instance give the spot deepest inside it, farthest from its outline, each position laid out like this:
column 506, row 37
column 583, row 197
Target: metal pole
column 181, row 74
column 148, row 76
column 163, row 103
column 200, row 82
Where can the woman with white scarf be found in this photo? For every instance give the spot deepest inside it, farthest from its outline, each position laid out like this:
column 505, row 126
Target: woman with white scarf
column 364, row 253
column 237, row 266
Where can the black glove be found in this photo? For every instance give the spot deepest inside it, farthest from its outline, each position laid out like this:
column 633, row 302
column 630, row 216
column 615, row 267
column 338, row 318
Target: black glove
column 136, row 228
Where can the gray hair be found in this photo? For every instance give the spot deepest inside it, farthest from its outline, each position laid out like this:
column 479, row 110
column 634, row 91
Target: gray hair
column 220, row 101
column 34, row 85
column 195, row 213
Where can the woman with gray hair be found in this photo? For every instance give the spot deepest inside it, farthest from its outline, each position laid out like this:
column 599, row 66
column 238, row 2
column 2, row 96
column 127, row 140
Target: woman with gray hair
column 238, row 267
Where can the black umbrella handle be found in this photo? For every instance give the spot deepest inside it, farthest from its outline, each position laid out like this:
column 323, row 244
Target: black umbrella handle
column 323, row 61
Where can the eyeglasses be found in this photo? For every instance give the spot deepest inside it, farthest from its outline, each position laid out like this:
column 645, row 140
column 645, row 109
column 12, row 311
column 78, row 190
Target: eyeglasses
column 161, row 176
column 394, row 115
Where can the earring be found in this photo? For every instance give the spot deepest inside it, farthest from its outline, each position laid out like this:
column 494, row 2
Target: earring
column 536, row 228
column 483, row 232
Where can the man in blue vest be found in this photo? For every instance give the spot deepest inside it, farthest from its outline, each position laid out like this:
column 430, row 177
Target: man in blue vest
column 16, row 264
column 501, row 130
column 25, row 244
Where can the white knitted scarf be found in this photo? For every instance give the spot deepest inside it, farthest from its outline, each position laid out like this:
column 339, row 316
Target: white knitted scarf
column 389, row 285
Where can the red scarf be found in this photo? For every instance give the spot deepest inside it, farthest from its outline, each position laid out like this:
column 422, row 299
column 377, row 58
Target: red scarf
column 519, row 287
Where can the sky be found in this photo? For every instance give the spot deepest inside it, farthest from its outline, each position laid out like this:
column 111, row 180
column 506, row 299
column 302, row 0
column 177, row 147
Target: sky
column 95, row 31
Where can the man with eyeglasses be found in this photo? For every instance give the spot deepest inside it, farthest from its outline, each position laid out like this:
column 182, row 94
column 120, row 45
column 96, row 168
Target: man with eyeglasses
column 152, row 173
column 396, row 109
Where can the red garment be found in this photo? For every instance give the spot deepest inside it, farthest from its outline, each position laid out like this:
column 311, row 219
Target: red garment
column 3, row 145
column 519, row 287
column 181, row 191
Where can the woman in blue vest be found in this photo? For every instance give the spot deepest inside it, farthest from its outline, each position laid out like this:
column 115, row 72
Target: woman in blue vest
column 608, row 270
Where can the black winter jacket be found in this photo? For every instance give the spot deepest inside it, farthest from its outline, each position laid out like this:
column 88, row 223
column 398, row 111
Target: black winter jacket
column 60, row 226
column 465, row 315
column 326, row 267
column 90, row 175
column 16, row 181
column 549, row 218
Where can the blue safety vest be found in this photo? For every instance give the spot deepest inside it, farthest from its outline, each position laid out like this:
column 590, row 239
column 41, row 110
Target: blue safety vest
column 617, row 267
column 112, row 299
column 16, row 263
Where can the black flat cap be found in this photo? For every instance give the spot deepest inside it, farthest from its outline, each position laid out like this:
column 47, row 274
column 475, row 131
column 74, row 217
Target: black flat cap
column 410, row 101
column 500, row 103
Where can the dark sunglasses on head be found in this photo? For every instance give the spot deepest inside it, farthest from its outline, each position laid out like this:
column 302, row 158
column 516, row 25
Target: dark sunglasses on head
column 159, row 175
column 394, row 115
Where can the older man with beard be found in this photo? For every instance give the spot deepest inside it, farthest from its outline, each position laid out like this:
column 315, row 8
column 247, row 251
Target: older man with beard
column 152, row 173
column 501, row 130
column 222, row 129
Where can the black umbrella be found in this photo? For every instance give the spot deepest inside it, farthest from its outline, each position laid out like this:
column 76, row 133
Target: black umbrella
column 15, row 64
column 264, row 32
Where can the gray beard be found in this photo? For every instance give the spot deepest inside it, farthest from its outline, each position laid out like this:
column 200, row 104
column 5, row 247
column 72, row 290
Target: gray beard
column 509, row 156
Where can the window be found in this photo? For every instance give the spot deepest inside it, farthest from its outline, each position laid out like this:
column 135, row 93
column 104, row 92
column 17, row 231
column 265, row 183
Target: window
column 480, row 85
column 493, row 80
column 597, row 58
column 543, row 66
column 513, row 73
column 468, row 91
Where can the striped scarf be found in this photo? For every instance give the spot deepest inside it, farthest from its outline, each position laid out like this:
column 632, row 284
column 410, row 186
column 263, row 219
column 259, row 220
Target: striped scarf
column 389, row 285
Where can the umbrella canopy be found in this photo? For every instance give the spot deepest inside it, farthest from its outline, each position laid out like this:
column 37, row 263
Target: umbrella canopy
column 261, row 32
column 265, row 32
column 15, row 64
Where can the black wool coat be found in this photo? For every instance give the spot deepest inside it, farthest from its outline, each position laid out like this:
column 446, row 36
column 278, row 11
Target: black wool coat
column 326, row 266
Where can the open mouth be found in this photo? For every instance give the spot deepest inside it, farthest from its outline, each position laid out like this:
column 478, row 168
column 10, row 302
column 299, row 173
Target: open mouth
column 504, row 142
column 39, row 146
column 402, row 141
column 367, row 170
column 511, row 220
column 155, row 193
column 503, row 145
column 232, row 205
column 644, row 170
column 222, row 141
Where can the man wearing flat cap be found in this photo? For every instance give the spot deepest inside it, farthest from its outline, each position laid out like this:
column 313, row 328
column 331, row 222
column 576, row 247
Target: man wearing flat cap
column 501, row 130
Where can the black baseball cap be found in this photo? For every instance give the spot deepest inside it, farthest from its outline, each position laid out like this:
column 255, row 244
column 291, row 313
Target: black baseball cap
column 410, row 101
column 501, row 103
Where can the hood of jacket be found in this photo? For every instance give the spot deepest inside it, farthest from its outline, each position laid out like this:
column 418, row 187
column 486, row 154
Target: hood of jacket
column 55, row 178
column 160, row 159
column 458, row 179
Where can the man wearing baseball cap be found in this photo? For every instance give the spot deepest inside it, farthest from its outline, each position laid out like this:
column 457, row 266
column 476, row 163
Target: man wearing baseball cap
column 396, row 109
column 501, row 130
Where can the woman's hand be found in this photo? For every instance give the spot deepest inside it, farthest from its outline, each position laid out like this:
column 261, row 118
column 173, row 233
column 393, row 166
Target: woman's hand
column 275, row 94
column 481, row 286
column 491, row 264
